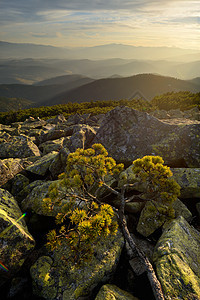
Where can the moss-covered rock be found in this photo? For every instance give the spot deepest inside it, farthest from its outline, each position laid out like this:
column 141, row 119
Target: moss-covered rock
column 58, row 119
column 52, row 134
column 27, row 190
column 33, row 123
column 19, row 183
column 177, row 260
column 41, row 166
column 154, row 215
column 33, row 201
column 180, row 148
column 16, row 243
column 54, row 277
column 181, row 210
column 50, row 146
column 42, row 270
column 18, row 147
column 189, row 181
column 151, row 218
column 10, row 167
column 112, row 292
column 58, row 164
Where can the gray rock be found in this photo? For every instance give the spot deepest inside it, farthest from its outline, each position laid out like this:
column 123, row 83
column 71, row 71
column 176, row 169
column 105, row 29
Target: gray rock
column 16, row 243
column 18, row 147
column 10, row 167
column 41, row 166
column 189, row 181
column 111, row 291
column 52, row 277
column 177, row 260
column 58, row 119
column 19, row 182
column 50, row 146
column 128, row 134
column 28, row 189
column 33, row 201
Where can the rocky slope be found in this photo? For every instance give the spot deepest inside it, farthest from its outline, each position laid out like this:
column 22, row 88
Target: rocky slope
column 32, row 155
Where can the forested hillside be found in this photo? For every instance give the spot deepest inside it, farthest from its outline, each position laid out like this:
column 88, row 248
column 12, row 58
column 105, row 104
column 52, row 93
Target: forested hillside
column 182, row 100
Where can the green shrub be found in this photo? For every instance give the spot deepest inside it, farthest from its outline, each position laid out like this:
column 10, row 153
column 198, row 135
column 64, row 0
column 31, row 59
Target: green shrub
column 83, row 218
column 172, row 100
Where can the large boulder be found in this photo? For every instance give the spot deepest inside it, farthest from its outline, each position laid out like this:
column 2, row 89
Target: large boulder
column 18, row 147
column 129, row 134
column 177, row 260
column 112, row 292
column 55, row 277
column 6, row 172
column 16, row 243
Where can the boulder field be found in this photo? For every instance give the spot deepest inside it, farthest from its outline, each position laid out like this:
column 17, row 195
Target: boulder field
column 32, row 155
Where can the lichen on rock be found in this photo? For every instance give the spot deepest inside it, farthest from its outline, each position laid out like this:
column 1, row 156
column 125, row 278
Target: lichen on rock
column 16, row 242
column 74, row 281
column 177, row 260
column 112, row 292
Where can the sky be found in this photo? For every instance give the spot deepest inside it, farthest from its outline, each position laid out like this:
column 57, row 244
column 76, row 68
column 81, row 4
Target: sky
column 77, row 23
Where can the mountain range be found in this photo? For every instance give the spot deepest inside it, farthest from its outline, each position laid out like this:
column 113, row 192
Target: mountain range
column 76, row 88
column 47, row 75
column 32, row 71
column 20, row 50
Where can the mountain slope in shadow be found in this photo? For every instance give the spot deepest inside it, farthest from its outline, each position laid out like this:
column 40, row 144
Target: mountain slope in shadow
column 146, row 85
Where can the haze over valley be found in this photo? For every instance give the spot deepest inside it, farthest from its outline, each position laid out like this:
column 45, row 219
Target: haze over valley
column 51, row 55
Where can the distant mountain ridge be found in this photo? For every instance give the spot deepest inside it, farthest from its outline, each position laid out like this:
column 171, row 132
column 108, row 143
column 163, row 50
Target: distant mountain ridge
column 17, row 50
column 32, row 71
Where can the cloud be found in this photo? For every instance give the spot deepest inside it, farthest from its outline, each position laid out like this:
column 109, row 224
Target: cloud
column 44, row 10
column 73, row 21
column 187, row 20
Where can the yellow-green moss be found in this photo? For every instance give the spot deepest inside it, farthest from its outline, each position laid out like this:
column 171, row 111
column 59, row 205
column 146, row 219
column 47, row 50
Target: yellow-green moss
column 74, row 281
column 177, row 260
column 112, row 292
column 42, row 271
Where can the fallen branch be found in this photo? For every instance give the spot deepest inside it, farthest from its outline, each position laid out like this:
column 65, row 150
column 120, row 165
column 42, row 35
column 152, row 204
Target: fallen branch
column 155, row 284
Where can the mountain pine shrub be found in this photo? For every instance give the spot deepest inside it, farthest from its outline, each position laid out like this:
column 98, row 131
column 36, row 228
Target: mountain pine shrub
column 83, row 218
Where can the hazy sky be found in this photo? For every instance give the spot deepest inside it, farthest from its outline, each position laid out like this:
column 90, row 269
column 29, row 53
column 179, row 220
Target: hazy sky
column 96, row 22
